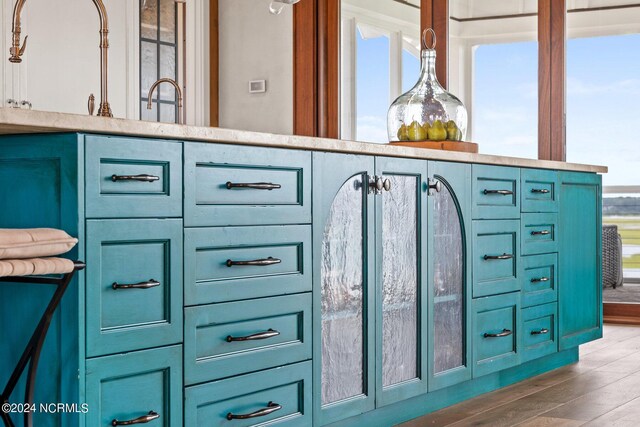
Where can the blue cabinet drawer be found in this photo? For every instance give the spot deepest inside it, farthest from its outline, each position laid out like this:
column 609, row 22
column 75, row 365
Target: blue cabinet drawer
column 278, row 397
column 222, row 340
column 496, row 257
column 232, row 185
column 539, row 233
column 540, row 331
column 234, row 263
column 495, row 192
column 126, row 387
column 539, row 276
column 133, row 284
column 497, row 341
column 132, row 178
column 539, row 190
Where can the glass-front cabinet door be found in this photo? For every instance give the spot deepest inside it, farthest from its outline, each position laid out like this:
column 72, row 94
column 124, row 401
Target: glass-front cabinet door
column 449, row 274
column 401, row 248
column 344, row 290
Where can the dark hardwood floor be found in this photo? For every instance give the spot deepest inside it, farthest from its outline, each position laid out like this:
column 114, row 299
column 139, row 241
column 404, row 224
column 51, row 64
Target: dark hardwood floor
column 602, row 389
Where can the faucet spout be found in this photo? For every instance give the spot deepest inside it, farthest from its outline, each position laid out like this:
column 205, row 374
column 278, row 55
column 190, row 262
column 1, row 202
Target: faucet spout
column 16, row 51
column 178, row 91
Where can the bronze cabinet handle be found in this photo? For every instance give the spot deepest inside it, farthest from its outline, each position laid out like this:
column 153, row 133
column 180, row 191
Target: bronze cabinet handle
column 497, row 257
column 501, row 192
column 141, row 285
column 140, row 178
column 504, row 333
column 271, row 408
column 140, row 420
column 256, row 262
column 540, row 279
column 259, row 336
column 540, row 332
column 253, row 185
column 540, row 233
column 540, row 191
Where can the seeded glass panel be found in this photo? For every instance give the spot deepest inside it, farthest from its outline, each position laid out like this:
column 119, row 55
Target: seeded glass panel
column 149, row 115
column 399, row 281
column 149, row 19
column 167, row 69
column 148, row 68
column 343, row 296
column 168, row 21
column 167, row 113
column 448, row 256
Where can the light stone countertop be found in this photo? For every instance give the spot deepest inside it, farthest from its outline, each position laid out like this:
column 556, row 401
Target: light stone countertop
column 17, row 121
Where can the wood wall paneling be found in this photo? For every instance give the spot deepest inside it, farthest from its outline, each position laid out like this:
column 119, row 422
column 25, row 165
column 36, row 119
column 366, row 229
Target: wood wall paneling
column 544, row 79
column 558, row 79
column 305, row 68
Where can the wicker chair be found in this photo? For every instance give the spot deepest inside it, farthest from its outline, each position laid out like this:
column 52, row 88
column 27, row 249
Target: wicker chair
column 611, row 257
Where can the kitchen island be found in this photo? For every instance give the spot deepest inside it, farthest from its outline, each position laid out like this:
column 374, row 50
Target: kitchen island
column 292, row 280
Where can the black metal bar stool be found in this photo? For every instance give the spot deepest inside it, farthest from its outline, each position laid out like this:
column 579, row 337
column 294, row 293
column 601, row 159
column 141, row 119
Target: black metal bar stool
column 31, row 353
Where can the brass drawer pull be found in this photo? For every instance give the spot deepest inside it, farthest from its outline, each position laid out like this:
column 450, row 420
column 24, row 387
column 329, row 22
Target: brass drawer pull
column 140, row 420
column 254, row 185
column 504, row 333
column 271, row 408
column 540, row 279
column 142, row 285
column 540, row 233
column 257, row 262
column 501, row 192
column 141, row 178
column 540, row 332
column 497, row 257
column 540, row 191
column 259, row 336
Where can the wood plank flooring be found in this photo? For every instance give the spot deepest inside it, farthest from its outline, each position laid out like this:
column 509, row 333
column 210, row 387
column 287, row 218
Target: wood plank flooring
column 602, row 389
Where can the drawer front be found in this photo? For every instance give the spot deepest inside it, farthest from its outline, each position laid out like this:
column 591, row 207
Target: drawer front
column 539, row 233
column 121, row 159
column 495, row 192
column 224, row 185
column 497, row 338
column 539, row 276
column 540, row 331
column 222, row 340
column 539, row 190
column 128, row 386
column 282, row 395
column 144, row 253
column 496, row 257
column 212, row 272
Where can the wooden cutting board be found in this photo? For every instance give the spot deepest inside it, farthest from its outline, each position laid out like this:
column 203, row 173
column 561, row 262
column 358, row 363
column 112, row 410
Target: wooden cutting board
column 466, row 147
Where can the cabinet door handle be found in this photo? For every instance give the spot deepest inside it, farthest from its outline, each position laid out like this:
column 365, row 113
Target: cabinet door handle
column 540, row 332
column 386, row 185
column 258, row 262
column 501, row 192
column 142, row 285
column 435, row 185
column 504, row 333
column 259, row 336
column 540, row 191
column 271, row 408
column 540, row 279
column 253, row 185
column 140, row 420
column 141, row 178
column 540, row 233
column 497, row 257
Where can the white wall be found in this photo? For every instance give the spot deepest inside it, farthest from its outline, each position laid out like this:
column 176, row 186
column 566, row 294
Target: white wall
column 255, row 45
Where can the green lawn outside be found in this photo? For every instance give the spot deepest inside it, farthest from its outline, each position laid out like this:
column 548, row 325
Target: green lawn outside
column 629, row 229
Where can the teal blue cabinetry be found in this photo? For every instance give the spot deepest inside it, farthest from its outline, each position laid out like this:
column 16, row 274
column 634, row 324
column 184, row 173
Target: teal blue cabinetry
column 497, row 338
column 300, row 288
column 125, row 387
column 580, row 259
column 234, row 185
column 449, row 275
column 133, row 287
column 127, row 177
column 278, row 397
column 222, row 340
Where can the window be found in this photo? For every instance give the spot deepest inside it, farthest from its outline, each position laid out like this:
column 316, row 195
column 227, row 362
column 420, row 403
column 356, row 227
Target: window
column 158, row 58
